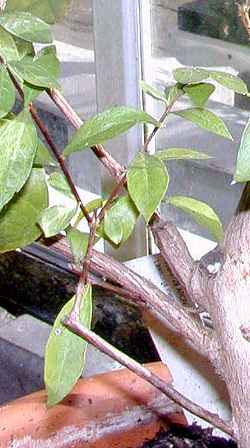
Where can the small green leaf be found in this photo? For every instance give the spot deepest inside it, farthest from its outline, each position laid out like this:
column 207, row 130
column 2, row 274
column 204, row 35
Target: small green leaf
column 120, row 220
column 105, row 126
column 242, row 172
column 152, row 91
column 65, row 351
column 147, row 183
column 202, row 213
column 55, row 219
column 180, row 154
column 18, row 144
column 41, row 71
column 48, row 10
column 24, row 48
column 78, row 244
column 172, row 93
column 7, row 92
column 8, row 48
column 190, row 75
column 230, row 81
column 31, row 93
column 59, row 182
column 26, row 26
column 94, row 204
column 18, row 220
column 207, row 120
column 43, row 157
column 199, row 93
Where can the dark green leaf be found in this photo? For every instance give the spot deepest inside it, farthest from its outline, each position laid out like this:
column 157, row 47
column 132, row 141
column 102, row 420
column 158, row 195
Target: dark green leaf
column 78, row 244
column 43, row 157
column 48, row 10
column 120, row 220
column 190, row 75
column 207, row 120
column 152, row 91
column 60, row 183
column 105, row 126
column 230, row 81
column 41, row 71
column 18, row 144
column 26, row 26
column 7, row 92
column 202, row 213
column 147, row 183
column 55, row 219
column 18, row 220
column 180, row 154
column 242, row 172
column 65, row 351
column 8, row 49
column 199, row 93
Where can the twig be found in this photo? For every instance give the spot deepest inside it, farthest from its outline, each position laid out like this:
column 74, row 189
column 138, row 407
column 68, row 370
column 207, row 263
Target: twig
column 161, row 121
column 243, row 11
column 147, row 375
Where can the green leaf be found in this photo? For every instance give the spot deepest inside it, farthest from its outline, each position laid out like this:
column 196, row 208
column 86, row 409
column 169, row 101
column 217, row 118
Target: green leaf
column 94, row 204
column 152, row 91
column 31, row 93
column 7, row 92
column 8, row 48
column 242, row 172
column 120, row 220
column 78, row 244
column 24, row 48
column 172, row 93
column 105, row 126
column 199, row 93
column 202, row 213
column 230, row 81
column 43, row 157
column 147, row 183
column 48, row 10
column 26, row 26
column 207, row 120
column 18, row 144
column 59, row 182
column 190, row 75
column 65, row 351
column 41, row 71
column 55, row 219
column 181, row 154
column 18, row 220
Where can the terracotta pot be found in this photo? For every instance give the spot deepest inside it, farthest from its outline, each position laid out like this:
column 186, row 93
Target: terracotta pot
column 116, row 409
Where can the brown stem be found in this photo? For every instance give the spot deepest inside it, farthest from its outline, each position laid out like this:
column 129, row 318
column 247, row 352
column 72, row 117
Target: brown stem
column 114, row 193
column 147, row 375
column 156, row 128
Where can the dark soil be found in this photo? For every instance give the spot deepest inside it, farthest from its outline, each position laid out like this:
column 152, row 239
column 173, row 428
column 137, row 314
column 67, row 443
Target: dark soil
column 191, row 437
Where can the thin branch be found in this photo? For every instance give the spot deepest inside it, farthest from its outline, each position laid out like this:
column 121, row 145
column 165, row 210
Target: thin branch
column 161, row 121
column 114, row 193
column 150, row 377
column 243, row 11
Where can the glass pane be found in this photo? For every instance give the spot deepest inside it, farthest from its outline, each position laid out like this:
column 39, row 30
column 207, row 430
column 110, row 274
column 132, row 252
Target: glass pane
column 205, row 33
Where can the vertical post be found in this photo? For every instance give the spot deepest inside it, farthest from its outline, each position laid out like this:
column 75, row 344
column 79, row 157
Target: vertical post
column 118, row 36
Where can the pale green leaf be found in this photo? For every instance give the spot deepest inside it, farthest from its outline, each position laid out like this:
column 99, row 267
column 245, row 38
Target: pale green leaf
column 94, row 204
column 172, row 93
column 26, row 26
column 181, row 154
column 55, row 219
column 147, row 183
column 8, row 48
column 202, row 213
column 107, row 125
column 7, row 92
column 31, row 93
column 230, row 81
column 199, row 93
column 242, row 172
column 41, row 71
column 24, row 48
column 43, row 157
column 18, row 144
column 48, row 10
column 152, row 91
column 207, row 120
column 78, row 244
column 65, row 351
column 18, row 220
column 60, row 183
column 190, row 75
column 120, row 220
